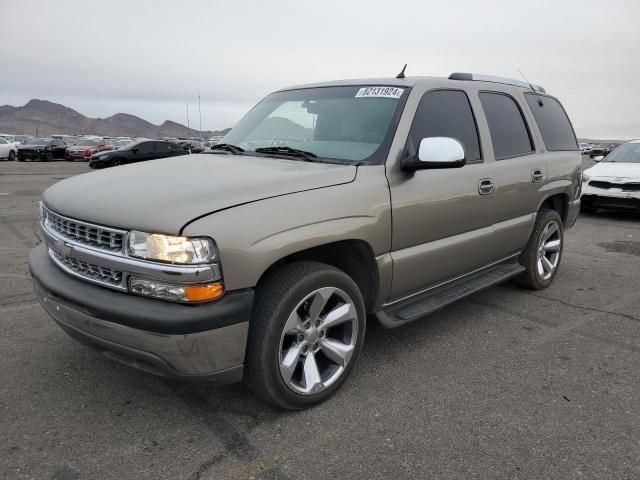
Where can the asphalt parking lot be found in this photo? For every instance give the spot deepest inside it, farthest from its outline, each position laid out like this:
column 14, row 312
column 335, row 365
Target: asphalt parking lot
column 507, row 384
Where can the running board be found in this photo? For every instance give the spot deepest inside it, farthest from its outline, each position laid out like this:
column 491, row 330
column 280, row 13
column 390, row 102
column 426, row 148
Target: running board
column 418, row 306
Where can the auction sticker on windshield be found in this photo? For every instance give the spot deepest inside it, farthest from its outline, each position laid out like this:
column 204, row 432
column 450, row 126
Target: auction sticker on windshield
column 386, row 92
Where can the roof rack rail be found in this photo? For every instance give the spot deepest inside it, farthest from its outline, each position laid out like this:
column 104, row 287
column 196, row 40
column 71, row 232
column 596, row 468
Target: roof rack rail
column 490, row 78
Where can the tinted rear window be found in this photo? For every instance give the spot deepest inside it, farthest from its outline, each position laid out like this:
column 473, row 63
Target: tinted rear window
column 509, row 132
column 553, row 123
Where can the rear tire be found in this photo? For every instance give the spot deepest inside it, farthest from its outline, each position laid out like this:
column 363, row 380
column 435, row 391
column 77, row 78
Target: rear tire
column 541, row 258
column 305, row 334
column 12, row 156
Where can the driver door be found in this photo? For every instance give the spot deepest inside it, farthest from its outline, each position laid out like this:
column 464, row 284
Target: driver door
column 441, row 218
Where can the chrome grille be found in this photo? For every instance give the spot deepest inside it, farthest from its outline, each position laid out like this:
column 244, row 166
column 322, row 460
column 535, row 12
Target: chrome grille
column 88, row 271
column 102, row 238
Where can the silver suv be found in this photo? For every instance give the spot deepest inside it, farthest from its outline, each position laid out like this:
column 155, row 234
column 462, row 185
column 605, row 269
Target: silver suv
column 326, row 207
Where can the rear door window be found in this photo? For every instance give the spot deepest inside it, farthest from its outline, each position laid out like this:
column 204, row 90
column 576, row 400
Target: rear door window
column 509, row 132
column 445, row 113
column 555, row 127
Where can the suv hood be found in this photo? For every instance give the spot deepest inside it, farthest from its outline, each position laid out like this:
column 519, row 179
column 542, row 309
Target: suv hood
column 163, row 195
column 615, row 169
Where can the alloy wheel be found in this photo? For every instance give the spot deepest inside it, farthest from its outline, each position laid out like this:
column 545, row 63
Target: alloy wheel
column 549, row 250
column 318, row 341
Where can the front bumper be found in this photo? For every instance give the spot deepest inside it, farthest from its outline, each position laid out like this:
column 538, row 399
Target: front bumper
column 191, row 342
column 612, row 197
column 30, row 154
column 79, row 156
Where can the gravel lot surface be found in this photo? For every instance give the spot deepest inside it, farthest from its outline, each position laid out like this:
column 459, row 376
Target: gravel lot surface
column 507, row 384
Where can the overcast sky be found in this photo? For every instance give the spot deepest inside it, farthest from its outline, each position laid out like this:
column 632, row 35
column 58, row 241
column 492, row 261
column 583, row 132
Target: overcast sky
column 151, row 57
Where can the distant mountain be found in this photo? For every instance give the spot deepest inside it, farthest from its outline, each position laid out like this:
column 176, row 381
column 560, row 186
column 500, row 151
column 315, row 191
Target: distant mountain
column 277, row 127
column 48, row 118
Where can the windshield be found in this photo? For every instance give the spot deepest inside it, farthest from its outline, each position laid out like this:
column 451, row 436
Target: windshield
column 39, row 141
column 341, row 123
column 86, row 143
column 627, row 153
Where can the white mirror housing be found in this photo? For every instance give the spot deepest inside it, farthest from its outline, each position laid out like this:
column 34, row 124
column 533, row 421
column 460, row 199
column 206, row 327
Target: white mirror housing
column 441, row 150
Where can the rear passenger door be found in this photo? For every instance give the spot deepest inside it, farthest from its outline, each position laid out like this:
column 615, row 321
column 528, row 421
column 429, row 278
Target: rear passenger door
column 517, row 170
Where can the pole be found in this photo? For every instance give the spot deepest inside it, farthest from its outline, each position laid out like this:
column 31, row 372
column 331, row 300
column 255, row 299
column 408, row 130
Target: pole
column 188, row 120
column 200, row 113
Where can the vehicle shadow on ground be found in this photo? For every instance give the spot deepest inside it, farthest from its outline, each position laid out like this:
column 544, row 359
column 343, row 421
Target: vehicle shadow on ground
column 613, row 215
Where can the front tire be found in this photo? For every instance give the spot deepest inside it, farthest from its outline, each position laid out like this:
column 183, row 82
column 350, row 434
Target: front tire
column 543, row 253
column 12, row 156
column 305, row 334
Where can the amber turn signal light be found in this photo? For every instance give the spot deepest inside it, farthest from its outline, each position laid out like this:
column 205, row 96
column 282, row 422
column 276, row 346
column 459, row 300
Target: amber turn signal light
column 203, row 293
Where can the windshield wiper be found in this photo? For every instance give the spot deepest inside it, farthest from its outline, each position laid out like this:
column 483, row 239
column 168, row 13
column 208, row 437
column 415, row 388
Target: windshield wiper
column 228, row 148
column 288, row 151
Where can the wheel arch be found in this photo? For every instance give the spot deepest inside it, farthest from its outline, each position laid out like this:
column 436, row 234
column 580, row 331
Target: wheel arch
column 353, row 257
column 558, row 202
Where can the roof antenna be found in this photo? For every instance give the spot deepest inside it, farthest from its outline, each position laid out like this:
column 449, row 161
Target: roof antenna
column 401, row 74
column 536, row 93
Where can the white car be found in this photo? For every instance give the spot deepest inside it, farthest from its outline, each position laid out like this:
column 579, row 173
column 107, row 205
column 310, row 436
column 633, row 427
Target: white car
column 614, row 182
column 8, row 149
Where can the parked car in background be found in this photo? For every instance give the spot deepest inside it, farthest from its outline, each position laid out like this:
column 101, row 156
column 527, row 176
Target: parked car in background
column 585, row 148
column 70, row 140
column 615, row 181
column 192, row 146
column 139, row 151
column 42, row 149
column 21, row 139
column 8, row 149
column 599, row 150
column 114, row 142
column 85, row 148
column 268, row 262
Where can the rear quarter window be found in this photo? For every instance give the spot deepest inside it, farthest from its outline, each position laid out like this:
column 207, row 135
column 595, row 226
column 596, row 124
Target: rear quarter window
column 555, row 127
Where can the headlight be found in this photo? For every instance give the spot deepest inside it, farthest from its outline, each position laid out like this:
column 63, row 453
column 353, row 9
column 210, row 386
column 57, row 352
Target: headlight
column 166, row 248
column 585, row 177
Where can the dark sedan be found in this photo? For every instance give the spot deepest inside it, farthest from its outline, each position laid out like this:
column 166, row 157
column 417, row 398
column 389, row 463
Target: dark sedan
column 139, row 151
column 43, row 149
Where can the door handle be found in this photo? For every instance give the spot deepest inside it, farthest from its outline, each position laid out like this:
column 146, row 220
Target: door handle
column 486, row 186
column 537, row 175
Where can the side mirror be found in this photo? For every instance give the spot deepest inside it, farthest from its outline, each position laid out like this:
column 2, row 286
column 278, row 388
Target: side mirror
column 135, row 150
column 436, row 152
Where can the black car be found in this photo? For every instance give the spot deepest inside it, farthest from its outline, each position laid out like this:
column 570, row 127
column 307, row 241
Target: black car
column 43, row 149
column 139, row 151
